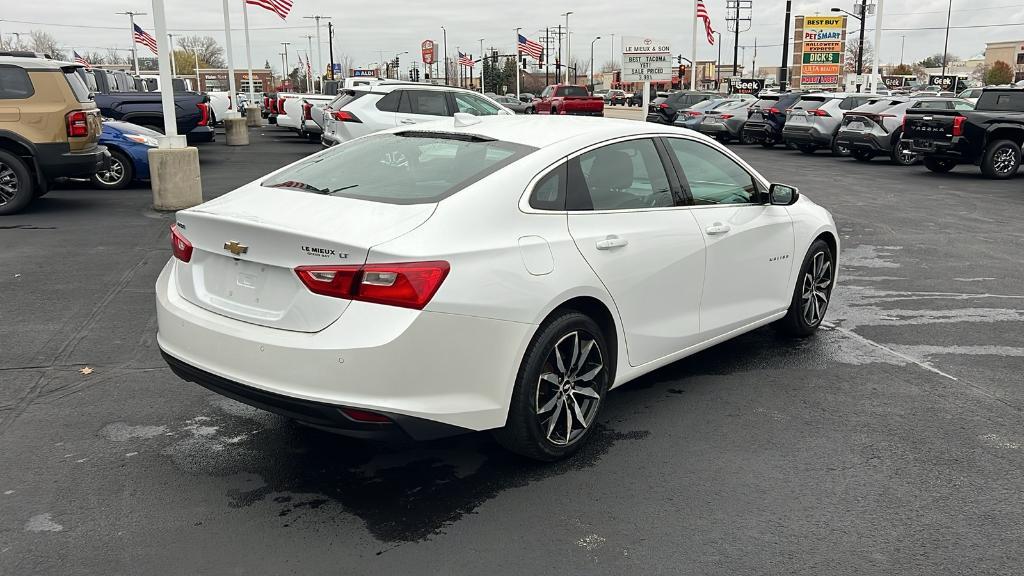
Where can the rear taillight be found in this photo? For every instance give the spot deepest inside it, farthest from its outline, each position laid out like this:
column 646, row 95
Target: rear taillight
column 345, row 116
column 903, row 125
column 407, row 284
column 280, row 105
column 365, row 416
column 78, row 123
column 182, row 248
column 725, row 116
column 307, row 109
column 663, row 106
column 693, row 113
column 958, row 125
column 204, row 113
column 773, row 110
column 818, row 112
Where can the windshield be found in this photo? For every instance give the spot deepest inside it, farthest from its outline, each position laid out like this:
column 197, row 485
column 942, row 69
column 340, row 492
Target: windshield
column 410, row 167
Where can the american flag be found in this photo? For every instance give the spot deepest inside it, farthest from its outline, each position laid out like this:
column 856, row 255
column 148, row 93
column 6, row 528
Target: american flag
column 530, row 48
column 702, row 13
column 142, row 37
column 279, row 7
column 466, row 59
column 80, row 60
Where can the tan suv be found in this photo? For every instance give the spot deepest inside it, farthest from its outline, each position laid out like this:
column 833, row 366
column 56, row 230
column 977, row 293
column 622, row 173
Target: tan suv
column 49, row 128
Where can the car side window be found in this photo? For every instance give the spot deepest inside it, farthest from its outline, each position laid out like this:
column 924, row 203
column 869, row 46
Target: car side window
column 426, row 102
column 474, row 105
column 549, row 192
column 713, row 177
column 15, row 83
column 621, row 176
column 389, row 103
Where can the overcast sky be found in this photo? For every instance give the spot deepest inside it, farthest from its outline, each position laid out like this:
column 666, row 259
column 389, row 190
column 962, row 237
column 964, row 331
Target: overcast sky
column 364, row 29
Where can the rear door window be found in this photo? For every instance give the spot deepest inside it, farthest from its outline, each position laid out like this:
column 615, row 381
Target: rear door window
column 424, row 102
column 549, row 192
column 15, row 83
column 621, row 176
column 390, row 101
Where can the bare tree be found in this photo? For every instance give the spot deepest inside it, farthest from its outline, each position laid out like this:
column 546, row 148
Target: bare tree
column 114, row 57
column 94, row 57
column 852, row 46
column 610, row 66
column 211, row 54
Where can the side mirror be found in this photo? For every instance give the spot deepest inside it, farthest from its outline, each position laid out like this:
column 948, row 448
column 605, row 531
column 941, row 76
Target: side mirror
column 782, row 195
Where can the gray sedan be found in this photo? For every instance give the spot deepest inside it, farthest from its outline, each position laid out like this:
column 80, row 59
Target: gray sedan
column 726, row 122
column 513, row 103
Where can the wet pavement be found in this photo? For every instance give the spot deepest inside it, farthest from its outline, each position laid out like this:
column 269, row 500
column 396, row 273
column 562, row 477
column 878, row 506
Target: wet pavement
column 889, row 443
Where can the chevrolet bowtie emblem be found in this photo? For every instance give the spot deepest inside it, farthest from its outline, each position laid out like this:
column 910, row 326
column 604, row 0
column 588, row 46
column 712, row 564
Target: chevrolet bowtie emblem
column 236, row 248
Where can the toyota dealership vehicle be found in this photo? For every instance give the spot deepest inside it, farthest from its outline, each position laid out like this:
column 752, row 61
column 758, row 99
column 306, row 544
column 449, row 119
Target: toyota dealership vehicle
column 497, row 273
column 568, row 99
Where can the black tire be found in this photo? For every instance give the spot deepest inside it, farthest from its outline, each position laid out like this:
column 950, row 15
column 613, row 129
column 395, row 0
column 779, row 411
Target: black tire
column 553, row 111
column 530, row 110
column 838, row 150
column 120, row 175
column 807, row 148
column 938, row 165
column 17, row 188
column 767, row 144
column 524, row 432
column 862, row 155
column 747, row 138
column 1001, row 159
column 819, row 278
column 901, row 153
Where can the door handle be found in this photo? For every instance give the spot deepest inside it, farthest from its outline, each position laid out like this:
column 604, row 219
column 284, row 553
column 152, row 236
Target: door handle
column 610, row 242
column 406, row 121
column 717, row 228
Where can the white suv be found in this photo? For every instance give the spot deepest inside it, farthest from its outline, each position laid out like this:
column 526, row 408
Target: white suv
column 367, row 109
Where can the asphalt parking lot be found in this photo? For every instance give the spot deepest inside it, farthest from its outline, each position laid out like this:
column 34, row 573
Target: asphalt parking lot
column 890, row 443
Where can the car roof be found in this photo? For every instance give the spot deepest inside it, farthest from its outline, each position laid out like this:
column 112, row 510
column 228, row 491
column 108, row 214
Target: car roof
column 36, row 63
column 541, row 131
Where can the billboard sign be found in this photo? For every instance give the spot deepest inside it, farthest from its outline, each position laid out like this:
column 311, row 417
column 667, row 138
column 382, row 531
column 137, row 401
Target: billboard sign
column 745, row 85
column 646, row 60
column 820, row 42
column 948, row 82
column 896, row 82
column 364, row 73
column 428, row 49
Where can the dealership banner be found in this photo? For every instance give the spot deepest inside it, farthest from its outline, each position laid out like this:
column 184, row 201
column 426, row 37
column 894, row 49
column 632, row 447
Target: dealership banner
column 819, row 44
column 745, row 85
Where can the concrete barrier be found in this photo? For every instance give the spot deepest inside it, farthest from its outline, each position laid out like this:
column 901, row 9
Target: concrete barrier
column 174, row 176
column 236, row 133
column 253, row 118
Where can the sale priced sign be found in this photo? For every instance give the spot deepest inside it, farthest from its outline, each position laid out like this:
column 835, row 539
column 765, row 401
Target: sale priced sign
column 646, row 60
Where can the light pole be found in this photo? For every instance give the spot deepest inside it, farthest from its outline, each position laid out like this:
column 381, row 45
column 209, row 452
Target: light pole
column 319, row 48
column 718, row 64
column 481, row 65
column 903, row 42
column 784, row 70
column 568, row 40
column 284, row 71
column 309, row 52
column 860, row 44
column 592, row 63
column 170, row 41
column 945, row 46
column 444, row 33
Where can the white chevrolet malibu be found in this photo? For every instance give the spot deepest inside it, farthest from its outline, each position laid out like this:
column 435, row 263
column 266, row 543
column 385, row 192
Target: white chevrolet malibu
column 498, row 273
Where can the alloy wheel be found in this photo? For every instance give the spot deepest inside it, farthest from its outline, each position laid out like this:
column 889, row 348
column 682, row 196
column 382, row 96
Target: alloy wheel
column 568, row 394
column 816, row 288
column 114, row 175
column 8, row 184
column 904, row 153
column 1004, row 160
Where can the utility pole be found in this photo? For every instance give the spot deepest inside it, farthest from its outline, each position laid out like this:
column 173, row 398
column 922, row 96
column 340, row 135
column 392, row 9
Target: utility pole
column 558, row 59
column 309, row 52
column 444, row 34
column 170, row 42
column 736, row 41
column 568, row 42
column 903, row 43
column 753, row 61
column 945, row 46
column 285, row 62
column 737, row 20
column 860, row 47
column 875, row 77
column 482, row 65
column 784, row 71
column 135, row 53
column 330, row 47
column 718, row 64
column 319, row 48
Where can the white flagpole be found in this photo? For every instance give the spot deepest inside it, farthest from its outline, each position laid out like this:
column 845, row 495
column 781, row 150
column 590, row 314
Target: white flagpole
column 517, row 62
column 693, row 51
column 878, row 48
column 248, row 51
column 231, row 67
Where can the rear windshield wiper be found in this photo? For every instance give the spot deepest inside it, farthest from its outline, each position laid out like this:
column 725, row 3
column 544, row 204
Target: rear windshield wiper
column 445, row 136
column 300, row 186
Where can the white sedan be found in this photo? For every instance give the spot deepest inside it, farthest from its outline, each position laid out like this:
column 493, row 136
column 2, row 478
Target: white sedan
column 499, row 273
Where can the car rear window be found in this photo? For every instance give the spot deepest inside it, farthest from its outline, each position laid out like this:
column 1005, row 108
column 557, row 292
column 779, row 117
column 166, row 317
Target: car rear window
column 78, row 86
column 878, row 105
column 766, row 102
column 15, row 83
column 412, row 167
column 572, row 91
column 345, row 98
column 811, row 103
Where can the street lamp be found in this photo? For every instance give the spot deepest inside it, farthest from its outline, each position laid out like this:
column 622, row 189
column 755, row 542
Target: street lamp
column 444, row 33
column 568, row 60
column 482, row 60
column 860, row 44
column 718, row 64
column 945, row 47
column 592, row 63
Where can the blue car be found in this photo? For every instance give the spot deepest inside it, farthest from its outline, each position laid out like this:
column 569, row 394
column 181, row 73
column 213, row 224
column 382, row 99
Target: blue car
column 129, row 160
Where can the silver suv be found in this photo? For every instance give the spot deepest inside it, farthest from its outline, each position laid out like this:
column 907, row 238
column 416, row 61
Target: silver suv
column 877, row 127
column 367, row 109
column 814, row 121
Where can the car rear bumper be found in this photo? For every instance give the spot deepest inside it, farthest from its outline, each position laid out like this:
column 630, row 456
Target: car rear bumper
column 805, row 135
column 714, row 129
column 57, row 161
column 938, row 149
column 759, row 131
column 449, row 369
column 202, row 134
column 864, row 141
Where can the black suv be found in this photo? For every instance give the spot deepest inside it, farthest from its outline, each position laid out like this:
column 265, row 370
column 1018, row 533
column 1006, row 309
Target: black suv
column 768, row 116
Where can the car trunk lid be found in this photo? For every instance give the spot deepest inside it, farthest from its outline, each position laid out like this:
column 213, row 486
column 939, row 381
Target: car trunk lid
column 247, row 244
column 930, row 125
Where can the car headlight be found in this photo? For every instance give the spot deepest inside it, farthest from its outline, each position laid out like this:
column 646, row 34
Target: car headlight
column 141, row 139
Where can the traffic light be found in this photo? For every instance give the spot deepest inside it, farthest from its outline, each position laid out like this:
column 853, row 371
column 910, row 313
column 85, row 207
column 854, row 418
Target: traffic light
column 682, row 71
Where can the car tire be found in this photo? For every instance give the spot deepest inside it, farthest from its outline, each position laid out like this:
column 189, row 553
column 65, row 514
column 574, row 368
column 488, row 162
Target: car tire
column 542, row 388
column 862, row 155
column 16, row 184
column 812, row 292
column 767, row 144
column 839, row 150
column 938, row 165
column 747, row 138
column 530, row 110
column 1001, row 159
column 901, row 153
column 807, row 148
column 553, row 111
column 120, row 175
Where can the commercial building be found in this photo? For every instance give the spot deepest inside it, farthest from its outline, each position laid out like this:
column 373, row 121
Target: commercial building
column 1010, row 52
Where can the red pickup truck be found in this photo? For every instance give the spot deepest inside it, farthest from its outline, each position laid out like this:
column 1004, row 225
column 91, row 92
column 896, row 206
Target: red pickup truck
column 568, row 99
